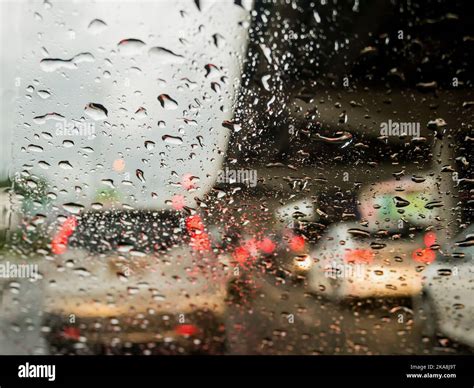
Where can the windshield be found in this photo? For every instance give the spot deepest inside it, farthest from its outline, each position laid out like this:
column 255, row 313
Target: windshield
column 236, row 177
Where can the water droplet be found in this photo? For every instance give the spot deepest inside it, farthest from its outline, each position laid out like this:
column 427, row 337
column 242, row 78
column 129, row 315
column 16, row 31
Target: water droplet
column 64, row 164
column 231, row 125
column 436, row 123
column 216, row 87
column 149, row 145
column 74, row 208
column 31, row 184
column 190, row 122
column 52, row 64
column 189, row 84
column 219, row 40
column 35, row 148
column 83, row 272
column 48, row 116
column 140, row 175
column 317, row 17
column 427, row 86
column 342, row 137
column 141, row 113
column 97, row 206
column 444, row 272
column 44, row 165
column 376, row 245
column 132, row 290
column 83, row 57
column 167, row 102
column 418, row 179
column 266, row 52
column 400, row 202
column 434, row 204
column 96, row 111
column 131, row 47
column 44, row 94
column 108, row 182
column 47, row 135
column 265, row 83
column 467, row 242
column 358, row 232
column 212, row 71
column 163, row 55
column 172, row 139
column 96, row 26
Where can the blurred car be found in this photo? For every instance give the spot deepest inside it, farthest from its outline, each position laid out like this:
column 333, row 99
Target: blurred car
column 143, row 304
column 350, row 261
column 385, row 253
column 446, row 305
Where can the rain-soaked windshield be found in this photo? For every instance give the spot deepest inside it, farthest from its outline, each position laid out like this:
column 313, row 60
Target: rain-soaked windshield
column 236, row 177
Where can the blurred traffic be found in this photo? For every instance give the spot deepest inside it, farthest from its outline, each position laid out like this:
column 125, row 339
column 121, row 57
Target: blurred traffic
column 248, row 177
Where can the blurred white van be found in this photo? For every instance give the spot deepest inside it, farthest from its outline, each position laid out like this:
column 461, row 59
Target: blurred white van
column 383, row 255
column 121, row 104
column 446, row 305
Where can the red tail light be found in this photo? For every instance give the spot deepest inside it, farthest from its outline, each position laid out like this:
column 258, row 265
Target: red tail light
column 241, row 255
column 200, row 240
column 425, row 256
column 429, row 239
column 60, row 240
column 72, row 333
column 297, row 243
column 194, row 223
column 266, row 245
column 359, row 256
column 186, row 330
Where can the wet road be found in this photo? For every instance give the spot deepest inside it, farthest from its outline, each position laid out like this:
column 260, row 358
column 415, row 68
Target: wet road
column 272, row 316
column 282, row 318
